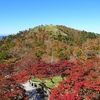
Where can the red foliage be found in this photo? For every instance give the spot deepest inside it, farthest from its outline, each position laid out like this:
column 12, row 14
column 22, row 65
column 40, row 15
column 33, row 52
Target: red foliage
column 22, row 72
column 82, row 79
column 83, row 82
column 12, row 76
column 5, row 69
column 21, row 77
column 44, row 69
column 9, row 88
column 26, row 64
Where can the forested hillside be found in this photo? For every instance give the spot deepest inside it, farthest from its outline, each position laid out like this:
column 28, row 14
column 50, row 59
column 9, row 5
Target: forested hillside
column 50, row 43
column 64, row 60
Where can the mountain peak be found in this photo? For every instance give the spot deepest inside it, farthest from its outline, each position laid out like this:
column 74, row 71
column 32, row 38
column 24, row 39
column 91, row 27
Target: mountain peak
column 47, row 42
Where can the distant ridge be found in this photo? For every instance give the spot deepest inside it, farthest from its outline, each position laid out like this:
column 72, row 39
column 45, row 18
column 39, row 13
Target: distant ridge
column 1, row 37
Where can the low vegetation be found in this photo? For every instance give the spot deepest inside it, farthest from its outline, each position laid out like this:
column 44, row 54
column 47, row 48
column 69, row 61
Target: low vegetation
column 50, row 84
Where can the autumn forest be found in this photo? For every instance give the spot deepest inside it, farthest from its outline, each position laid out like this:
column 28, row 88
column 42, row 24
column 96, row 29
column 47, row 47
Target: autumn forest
column 67, row 60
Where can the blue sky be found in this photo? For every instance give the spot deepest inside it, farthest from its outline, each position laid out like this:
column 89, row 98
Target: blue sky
column 18, row 15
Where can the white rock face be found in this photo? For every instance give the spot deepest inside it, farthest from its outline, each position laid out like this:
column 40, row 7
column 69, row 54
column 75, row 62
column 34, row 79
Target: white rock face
column 28, row 86
column 34, row 91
